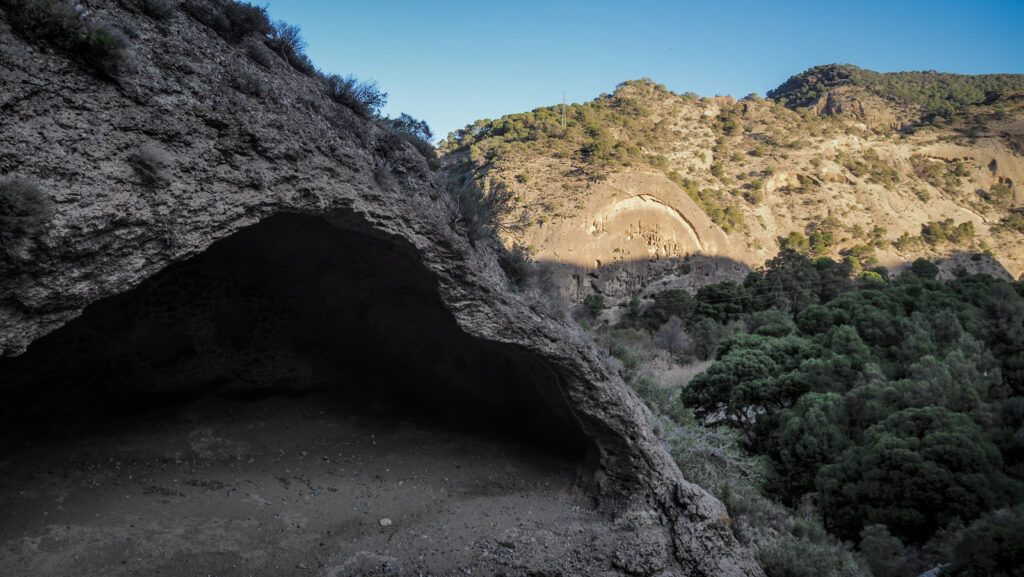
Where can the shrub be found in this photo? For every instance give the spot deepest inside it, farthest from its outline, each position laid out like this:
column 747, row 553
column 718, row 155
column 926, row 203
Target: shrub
column 924, row 269
column 672, row 337
column 480, row 213
column 259, row 55
column 422, row 146
column 105, row 48
column 1013, row 222
column 234, row 21
column 24, row 209
column 801, row 557
column 517, row 262
column 248, row 83
column 870, row 279
column 1001, row 193
column 409, row 125
column 907, row 242
column 992, row 546
column 937, row 232
column 244, row 19
column 796, row 241
column 711, row 456
column 158, row 9
column 728, row 123
column 98, row 45
column 43, row 20
column 594, row 303
column 883, row 553
column 415, row 132
column 286, row 40
column 657, row 161
column 363, row 98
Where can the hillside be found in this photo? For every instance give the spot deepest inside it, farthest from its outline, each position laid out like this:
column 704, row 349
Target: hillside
column 926, row 97
column 839, row 161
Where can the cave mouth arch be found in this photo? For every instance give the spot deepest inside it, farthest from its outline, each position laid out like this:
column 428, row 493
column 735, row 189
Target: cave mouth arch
column 291, row 304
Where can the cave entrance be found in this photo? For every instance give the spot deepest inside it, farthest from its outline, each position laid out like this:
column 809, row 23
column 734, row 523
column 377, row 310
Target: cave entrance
column 295, row 398
column 288, row 305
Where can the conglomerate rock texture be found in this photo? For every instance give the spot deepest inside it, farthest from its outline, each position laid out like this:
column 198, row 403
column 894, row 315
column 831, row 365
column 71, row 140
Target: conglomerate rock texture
column 228, row 160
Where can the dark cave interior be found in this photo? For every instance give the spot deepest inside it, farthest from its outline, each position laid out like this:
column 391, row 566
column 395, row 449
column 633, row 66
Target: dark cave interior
column 289, row 305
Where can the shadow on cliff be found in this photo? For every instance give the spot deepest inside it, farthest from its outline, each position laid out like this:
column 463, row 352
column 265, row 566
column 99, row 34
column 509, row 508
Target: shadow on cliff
column 287, row 305
column 624, row 279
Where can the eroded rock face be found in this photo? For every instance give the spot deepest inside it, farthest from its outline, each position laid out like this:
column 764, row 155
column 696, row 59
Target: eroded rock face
column 634, row 230
column 874, row 115
column 292, row 159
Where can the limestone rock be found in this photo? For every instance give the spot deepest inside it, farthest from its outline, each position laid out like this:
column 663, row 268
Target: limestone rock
column 230, row 160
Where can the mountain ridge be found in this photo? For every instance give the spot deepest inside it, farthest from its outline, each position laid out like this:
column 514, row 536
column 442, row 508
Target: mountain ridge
column 855, row 175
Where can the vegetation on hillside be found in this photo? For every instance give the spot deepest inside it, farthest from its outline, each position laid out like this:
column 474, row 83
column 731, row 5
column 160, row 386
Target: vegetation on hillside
column 755, row 165
column 612, row 130
column 876, row 424
column 939, row 96
column 68, row 27
column 623, row 130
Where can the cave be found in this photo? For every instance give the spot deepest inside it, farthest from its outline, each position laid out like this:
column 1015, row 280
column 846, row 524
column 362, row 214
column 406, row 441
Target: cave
column 288, row 305
column 300, row 343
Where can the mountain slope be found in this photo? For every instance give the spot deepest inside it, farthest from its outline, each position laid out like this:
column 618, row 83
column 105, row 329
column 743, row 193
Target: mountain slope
column 642, row 177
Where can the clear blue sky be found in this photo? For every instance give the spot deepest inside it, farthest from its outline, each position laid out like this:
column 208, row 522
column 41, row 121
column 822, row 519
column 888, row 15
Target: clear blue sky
column 450, row 63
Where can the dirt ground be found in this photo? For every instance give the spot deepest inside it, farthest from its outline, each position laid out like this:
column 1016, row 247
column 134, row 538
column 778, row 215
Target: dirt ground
column 288, row 487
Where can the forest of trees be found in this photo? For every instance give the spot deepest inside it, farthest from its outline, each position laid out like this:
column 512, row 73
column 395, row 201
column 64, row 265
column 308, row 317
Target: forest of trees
column 887, row 412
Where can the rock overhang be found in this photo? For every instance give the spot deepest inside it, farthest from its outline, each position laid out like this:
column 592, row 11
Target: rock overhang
column 234, row 161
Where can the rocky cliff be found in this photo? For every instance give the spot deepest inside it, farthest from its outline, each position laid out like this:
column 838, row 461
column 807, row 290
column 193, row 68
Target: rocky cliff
column 192, row 178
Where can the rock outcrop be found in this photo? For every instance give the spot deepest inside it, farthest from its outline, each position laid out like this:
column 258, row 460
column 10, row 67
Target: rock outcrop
column 875, row 115
column 155, row 168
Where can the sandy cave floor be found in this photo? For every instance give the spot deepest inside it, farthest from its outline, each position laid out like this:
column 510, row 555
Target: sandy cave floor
column 284, row 486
